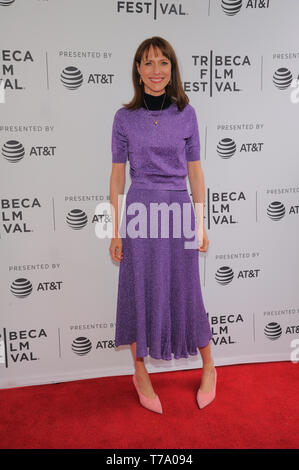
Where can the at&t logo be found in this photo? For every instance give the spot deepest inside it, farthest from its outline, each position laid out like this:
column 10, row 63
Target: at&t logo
column 82, row 346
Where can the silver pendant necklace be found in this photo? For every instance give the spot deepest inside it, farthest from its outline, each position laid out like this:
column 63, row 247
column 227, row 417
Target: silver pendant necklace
column 155, row 121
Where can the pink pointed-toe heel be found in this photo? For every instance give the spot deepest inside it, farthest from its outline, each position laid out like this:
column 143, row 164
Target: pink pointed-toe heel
column 152, row 404
column 203, row 399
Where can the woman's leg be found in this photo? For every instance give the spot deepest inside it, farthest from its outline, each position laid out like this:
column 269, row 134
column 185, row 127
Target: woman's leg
column 208, row 376
column 142, row 376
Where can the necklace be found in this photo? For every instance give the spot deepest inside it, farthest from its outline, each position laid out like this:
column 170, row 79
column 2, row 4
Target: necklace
column 155, row 121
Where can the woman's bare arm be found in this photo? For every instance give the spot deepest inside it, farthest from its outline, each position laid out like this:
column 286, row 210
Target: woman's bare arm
column 197, row 186
column 117, row 186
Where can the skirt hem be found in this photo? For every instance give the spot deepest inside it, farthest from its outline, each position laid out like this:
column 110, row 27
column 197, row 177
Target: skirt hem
column 175, row 356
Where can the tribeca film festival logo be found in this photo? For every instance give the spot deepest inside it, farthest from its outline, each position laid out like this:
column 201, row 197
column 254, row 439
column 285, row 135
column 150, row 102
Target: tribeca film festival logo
column 137, row 227
column 82, row 346
column 153, row 8
column 156, row 9
column 8, row 78
column 13, row 211
column 221, row 328
column 16, row 345
column 220, row 206
column 217, row 73
column 13, row 151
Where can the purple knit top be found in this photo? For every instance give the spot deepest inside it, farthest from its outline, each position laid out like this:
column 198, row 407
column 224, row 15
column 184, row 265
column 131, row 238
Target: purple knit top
column 158, row 154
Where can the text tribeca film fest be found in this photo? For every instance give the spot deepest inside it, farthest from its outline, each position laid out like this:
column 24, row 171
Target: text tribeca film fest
column 57, row 102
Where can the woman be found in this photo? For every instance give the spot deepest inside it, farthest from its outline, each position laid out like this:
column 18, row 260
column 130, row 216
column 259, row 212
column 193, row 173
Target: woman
column 160, row 309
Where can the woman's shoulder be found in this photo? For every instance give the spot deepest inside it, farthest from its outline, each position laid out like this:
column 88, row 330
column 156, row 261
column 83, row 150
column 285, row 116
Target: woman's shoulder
column 122, row 113
column 191, row 115
column 189, row 109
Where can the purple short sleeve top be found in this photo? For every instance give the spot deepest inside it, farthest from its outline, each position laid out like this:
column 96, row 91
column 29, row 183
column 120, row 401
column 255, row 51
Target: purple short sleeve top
column 158, row 154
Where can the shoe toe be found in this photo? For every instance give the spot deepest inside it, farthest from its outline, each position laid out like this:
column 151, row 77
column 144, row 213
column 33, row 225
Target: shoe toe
column 204, row 399
column 152, row 404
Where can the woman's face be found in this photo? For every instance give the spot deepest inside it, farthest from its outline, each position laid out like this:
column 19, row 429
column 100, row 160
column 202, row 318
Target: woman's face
column 155, row 72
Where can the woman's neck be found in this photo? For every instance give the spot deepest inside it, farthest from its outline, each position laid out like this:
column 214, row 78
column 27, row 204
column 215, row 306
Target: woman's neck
column 154, row 102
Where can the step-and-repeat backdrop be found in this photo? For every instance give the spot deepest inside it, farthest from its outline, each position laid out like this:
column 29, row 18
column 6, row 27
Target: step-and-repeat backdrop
column 65, row 68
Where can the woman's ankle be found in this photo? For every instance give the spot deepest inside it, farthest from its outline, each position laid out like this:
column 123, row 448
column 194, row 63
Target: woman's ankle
column 208, row 365
column 140, row 369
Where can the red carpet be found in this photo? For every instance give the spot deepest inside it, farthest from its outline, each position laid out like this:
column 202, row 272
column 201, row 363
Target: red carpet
column 256, row 407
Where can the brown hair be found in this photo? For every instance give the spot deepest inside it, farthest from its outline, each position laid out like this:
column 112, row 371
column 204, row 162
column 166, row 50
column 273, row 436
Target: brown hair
column 174, row 90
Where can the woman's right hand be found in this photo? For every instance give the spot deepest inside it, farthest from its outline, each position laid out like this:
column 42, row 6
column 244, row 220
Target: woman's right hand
column 116, row 249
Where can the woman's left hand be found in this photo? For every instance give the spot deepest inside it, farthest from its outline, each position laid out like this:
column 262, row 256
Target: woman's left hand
column 205, row 241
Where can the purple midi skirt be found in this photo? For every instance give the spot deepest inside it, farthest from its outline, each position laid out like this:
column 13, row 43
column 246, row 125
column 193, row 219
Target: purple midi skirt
column 159, row 301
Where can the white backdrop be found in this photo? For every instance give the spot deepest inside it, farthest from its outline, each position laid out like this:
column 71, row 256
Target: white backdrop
column 65, row 68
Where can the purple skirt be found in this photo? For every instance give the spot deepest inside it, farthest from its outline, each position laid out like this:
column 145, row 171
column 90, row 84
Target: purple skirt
column 159, row 302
